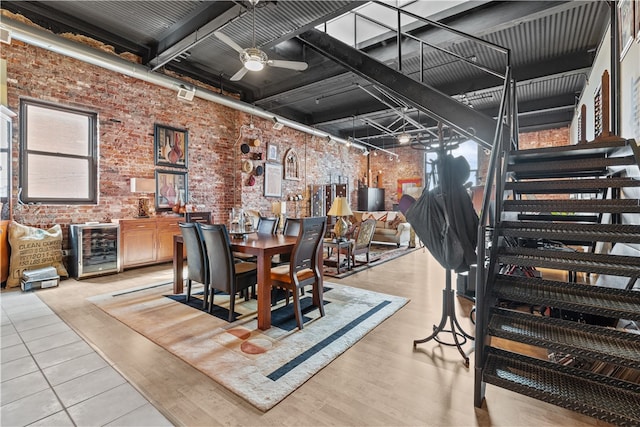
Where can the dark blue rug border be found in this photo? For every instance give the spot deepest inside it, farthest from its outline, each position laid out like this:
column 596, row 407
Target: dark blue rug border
column 302, row 357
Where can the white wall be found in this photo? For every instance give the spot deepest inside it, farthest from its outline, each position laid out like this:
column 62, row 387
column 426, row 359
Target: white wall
column 629, row 91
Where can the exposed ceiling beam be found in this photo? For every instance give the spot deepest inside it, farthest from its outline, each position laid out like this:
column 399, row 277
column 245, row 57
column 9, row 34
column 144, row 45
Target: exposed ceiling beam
column 58, row 22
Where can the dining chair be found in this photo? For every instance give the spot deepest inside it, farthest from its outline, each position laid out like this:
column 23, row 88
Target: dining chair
column 291, row 228
column 225, row 275
column 361, row 244
column 196, row 258
column 267, row 225
column 303, row 269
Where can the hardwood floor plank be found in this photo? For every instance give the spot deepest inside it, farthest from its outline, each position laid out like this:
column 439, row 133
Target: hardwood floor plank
column 381, row 380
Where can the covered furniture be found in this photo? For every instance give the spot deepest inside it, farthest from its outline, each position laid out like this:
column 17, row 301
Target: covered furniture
column 224, row 274
column 391, row 226
column 303, row 269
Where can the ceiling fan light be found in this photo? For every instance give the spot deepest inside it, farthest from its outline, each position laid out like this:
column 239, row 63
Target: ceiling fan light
column 253, row 59
column 403, row 138
column 253, row 64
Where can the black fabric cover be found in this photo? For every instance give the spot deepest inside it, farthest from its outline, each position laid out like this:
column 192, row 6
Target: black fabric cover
column 444, row 217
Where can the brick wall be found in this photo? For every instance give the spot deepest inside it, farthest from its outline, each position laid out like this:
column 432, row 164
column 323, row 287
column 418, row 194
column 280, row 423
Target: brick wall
column 127, row 109
column 528, row 140
column 388, row 172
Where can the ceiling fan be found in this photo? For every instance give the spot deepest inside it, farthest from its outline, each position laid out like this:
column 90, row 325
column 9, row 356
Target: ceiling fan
column 254, row 59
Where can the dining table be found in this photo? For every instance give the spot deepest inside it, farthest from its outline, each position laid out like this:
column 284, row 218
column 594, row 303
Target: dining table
column 264, row 247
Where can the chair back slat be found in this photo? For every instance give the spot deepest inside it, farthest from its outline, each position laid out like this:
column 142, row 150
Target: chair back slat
column 219, row 255
column 196, row 254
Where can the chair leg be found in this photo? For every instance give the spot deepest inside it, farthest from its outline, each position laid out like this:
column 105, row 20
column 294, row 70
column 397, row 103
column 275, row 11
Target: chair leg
column 296, row 307
column 232, row 306
column 188, row 289
column 318, row 298
column 211, row 302
column 205, row 297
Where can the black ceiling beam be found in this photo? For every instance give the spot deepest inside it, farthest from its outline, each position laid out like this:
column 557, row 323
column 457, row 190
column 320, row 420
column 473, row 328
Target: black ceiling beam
column 211, row 16
column 430, row 101
column 208, row 12
column 58, row 22
column 208, row 77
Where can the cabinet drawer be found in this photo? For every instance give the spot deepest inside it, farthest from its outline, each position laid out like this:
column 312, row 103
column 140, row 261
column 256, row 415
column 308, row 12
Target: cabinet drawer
column 137, row 224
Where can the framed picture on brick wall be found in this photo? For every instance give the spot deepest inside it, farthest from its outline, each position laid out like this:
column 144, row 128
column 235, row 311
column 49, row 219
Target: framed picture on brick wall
column 171, row 189
column 171, row 145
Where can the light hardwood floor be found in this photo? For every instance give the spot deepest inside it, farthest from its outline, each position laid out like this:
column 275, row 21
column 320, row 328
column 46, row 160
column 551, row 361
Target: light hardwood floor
column 380, row 381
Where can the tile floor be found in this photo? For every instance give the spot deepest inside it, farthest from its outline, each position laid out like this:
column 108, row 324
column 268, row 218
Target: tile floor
column 51, row 377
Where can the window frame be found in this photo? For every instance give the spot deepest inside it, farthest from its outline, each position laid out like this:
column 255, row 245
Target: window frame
column 91, row 157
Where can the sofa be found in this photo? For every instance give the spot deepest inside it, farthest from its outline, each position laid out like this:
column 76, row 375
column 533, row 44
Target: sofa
column 391, row 227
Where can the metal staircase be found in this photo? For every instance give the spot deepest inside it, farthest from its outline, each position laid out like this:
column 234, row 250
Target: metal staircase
column 536, row 225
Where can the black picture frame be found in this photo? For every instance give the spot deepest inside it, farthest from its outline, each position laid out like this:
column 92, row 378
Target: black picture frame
column 171, row 146
column 171, row 188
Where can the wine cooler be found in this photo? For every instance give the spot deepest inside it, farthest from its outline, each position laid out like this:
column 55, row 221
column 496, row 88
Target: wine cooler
column 94, row 249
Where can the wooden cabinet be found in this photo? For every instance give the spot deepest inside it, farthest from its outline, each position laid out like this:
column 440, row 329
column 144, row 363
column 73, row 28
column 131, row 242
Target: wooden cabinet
column 370, row 199
column 147, row 241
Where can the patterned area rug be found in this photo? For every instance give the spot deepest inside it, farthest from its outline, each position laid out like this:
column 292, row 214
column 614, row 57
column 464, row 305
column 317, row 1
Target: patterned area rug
column 380, row 254
column 263, row 367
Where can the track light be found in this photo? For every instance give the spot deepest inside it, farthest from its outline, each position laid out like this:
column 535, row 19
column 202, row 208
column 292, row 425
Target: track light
column 365, row 152
column 404, row 138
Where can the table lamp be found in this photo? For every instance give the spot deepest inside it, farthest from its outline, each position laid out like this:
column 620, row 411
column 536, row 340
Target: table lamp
column 146, row 186
column 340, row 208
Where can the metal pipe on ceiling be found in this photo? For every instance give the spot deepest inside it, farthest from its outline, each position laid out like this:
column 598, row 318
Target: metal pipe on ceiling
column 38, row 37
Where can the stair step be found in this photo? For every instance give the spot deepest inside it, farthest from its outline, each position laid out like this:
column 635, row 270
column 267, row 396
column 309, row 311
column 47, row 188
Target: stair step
column 599, row 396
column 599, row 149
column 571, row 168
column 573, row 206
column 557, row 218
column 570, row 186
column 573, row 232
column 615, row 265
column 577, row 339
column 597, row 300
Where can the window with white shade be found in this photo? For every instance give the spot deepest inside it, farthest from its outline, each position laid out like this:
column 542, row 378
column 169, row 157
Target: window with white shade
column 58, row 162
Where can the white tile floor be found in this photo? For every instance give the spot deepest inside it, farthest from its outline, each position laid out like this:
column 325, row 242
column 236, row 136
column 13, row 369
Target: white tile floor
column 51, row 377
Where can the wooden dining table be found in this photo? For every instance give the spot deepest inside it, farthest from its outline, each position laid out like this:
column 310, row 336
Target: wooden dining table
column 263, row 246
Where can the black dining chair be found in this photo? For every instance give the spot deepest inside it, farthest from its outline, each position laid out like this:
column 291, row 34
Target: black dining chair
column 225, row 275
column 267, row 225
column 196, row 258
column 291, row 228
column 303, row 269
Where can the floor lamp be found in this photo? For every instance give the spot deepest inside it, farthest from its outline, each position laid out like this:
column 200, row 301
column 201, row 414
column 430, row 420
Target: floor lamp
column 340, row 208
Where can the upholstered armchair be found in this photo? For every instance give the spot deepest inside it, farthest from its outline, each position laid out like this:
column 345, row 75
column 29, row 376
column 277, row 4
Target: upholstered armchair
column 361, row 244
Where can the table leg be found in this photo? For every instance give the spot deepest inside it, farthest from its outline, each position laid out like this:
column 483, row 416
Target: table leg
column 178, row 265
column 264, row 292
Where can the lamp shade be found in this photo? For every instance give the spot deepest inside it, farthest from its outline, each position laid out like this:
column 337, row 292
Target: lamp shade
column 279, row 208
column 143, row 185
column 340, row 207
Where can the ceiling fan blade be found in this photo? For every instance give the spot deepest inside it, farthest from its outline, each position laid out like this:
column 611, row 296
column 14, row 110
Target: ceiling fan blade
column 292, row 65
column 240, row 74
column 227, row 40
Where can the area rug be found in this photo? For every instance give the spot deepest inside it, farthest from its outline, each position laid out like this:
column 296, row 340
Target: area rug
column 379, row 254
column 262, row 367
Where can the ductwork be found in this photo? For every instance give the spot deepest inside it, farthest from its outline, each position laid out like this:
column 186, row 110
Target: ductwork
column 38, row 37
